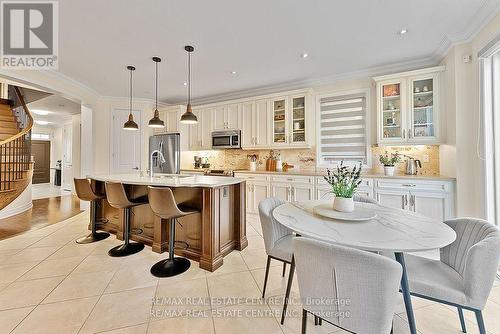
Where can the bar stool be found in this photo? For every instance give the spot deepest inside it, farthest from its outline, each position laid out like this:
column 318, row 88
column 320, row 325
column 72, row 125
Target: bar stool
column 162, row 202
column 117, row 198
column 85, row 192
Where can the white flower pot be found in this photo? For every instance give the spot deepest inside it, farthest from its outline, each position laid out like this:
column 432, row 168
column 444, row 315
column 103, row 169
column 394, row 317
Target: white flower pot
column 389, row 170
column 253, row 166
column 343, row 204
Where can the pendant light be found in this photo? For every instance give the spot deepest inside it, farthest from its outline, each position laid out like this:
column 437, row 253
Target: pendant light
column 130, row 124
column 188, row 117
column 156, row 122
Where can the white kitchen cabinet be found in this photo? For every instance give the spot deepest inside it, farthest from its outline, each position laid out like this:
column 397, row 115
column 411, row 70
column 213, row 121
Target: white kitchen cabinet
column 281, row 191
column 258, row 191
column 392, row 198
column 200, row 134
column 289, row 121
column 262, row 127
column 248, row 124
column 408, row 107
column 226, row 117
column 280, row 119
column 432, row 205
column 302, row 192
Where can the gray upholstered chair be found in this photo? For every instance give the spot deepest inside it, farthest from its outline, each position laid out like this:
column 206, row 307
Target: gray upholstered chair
column 349, row 288
column 363, row 199
column 278, row 244
column 465, row 273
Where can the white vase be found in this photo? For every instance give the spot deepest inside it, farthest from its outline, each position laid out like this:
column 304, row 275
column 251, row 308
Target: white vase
column 389, row 170
column 279, row 166
column 253, row 166
column 343, row 204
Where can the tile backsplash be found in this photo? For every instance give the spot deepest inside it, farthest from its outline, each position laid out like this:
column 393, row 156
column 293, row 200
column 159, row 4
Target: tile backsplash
column 305, row 159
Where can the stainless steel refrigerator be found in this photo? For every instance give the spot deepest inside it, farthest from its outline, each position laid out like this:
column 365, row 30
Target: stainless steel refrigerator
column 169, row 146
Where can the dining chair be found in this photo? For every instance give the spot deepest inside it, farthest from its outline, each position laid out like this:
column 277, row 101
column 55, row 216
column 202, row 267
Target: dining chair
column 464, row 275
column 354, row 290
column 363, row 199
column 278, row 244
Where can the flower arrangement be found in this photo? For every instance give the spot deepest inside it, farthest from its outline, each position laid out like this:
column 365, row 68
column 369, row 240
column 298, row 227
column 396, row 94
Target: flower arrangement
column 344, row 181
column 390, row 161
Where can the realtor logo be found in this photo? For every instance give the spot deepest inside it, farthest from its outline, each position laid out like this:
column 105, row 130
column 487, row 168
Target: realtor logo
column 29, row 35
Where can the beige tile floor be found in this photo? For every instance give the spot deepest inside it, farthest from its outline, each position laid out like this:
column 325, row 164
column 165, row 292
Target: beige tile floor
column 49, row 284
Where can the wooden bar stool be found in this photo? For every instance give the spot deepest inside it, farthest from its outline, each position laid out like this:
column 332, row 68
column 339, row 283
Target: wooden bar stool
column 117, row 198
column 85, row 192
column 162, row 202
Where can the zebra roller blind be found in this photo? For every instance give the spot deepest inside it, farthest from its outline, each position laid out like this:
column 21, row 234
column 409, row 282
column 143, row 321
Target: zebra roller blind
column 342, row 129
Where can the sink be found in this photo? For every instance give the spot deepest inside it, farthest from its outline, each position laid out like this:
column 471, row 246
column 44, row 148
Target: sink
column 169, row 176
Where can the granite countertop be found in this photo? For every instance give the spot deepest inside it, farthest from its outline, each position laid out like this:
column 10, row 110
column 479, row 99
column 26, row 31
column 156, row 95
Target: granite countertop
column 366, row 175
column 169, row 180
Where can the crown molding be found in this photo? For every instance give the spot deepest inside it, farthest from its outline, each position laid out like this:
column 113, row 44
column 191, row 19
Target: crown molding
column 126, row 99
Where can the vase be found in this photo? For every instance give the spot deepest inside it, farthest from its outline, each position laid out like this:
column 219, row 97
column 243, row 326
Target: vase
column 253, row 166
column 389, row 170
column 343, row 204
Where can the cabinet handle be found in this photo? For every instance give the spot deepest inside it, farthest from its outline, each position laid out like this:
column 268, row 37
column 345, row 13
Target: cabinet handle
column 409, row 133
column 412, row 202
column 404, row 133
column 409, row 185
column 405, row 203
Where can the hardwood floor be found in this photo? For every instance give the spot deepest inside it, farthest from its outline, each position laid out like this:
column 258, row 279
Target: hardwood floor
column 45, row 211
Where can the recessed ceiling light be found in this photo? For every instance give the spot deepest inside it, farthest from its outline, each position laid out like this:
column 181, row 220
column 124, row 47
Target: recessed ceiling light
column 185, row 84
column 403, row 31
column 233, row 72
column 40, row 112
column 41, row 122
column 305, row 55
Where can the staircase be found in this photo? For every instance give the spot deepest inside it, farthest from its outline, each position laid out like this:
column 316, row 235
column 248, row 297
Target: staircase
column 16, row 167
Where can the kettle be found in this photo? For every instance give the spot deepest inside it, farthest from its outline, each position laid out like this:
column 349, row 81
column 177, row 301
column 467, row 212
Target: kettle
column 412, row 165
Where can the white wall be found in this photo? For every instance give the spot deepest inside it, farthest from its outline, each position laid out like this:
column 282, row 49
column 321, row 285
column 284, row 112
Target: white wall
column 87, row 141
column 460, row 156
column 76, row 145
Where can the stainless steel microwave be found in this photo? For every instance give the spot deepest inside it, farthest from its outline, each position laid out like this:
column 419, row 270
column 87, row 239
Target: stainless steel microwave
column 226, row 139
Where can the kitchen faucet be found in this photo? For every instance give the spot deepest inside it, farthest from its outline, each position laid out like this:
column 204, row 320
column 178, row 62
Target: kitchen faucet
column 162, row 160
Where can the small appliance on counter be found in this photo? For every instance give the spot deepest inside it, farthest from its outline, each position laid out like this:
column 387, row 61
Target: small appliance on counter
column 205, row 163
column 197, row 162
column 412, row 166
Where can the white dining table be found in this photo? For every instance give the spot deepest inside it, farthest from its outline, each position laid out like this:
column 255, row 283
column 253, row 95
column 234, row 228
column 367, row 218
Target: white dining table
column 392, row 230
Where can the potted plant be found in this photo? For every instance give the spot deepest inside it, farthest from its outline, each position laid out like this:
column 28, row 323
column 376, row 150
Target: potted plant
column 389, row 161
column 344, row 182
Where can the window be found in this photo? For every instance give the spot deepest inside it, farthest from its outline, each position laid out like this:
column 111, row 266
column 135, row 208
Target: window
column 40, row 136
column 342, row 128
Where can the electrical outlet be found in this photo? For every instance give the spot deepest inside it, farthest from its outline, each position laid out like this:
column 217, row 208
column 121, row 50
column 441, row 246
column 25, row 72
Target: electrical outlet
column 426, row 158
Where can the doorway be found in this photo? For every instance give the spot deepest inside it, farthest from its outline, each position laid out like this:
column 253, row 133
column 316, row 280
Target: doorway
column 125, row 144
column 40, row 150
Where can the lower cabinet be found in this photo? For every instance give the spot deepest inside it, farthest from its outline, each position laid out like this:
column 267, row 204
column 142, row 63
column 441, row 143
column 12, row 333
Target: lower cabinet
column 434, row 199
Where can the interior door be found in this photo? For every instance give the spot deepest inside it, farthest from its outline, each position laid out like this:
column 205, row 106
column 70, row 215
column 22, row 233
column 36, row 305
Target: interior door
column 67, row 163
column 126, row 144
column 40, row 150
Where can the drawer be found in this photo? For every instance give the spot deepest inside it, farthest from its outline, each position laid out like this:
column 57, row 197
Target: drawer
column 293, row 179
column 365, row 183
column 412, row 184
column 253, row 177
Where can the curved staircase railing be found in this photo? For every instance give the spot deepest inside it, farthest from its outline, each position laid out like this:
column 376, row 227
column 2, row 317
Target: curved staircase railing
column 15, row 152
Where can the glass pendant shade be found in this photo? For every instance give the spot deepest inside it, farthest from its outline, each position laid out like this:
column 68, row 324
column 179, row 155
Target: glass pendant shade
column 130, row 124
column 156, row 122
column 188, row 117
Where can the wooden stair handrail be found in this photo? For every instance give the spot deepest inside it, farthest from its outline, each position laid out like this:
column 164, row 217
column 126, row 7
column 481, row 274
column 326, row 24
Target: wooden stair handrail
column 28, row 127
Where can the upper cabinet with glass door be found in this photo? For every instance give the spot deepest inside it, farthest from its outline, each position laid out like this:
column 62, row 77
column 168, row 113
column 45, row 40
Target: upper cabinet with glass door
column 290, row 121
column 408, row 107
column 298, row 120
column 280, row 119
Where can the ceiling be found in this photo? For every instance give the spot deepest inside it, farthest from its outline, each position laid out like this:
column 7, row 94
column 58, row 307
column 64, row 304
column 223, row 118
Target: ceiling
column 262, row 40
column 60, row 110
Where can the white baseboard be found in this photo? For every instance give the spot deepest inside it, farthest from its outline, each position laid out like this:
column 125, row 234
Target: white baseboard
column 5, row 213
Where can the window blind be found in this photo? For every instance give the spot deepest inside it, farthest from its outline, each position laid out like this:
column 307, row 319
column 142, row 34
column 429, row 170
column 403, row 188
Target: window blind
column 342, row 129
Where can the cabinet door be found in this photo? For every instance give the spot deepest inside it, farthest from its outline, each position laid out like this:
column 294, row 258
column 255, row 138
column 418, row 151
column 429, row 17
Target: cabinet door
column 247, row 129
column 302, row 192
column 297, row 128
column 260, row 192
column 261, row 123
column 233, row 116
column 423, row 121
column 249, row 197
column 392, row 112
column 219, row 120
column 195, row 132
column 171, row 120
column 281, row 191
column 393, row 199
column 279, row 121
column 206, row 129
column 429, row 204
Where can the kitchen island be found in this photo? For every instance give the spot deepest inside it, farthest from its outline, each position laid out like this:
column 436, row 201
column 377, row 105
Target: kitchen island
column 206, row 237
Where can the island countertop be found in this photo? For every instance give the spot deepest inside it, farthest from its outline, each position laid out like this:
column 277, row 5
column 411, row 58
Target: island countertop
column 169, row 180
